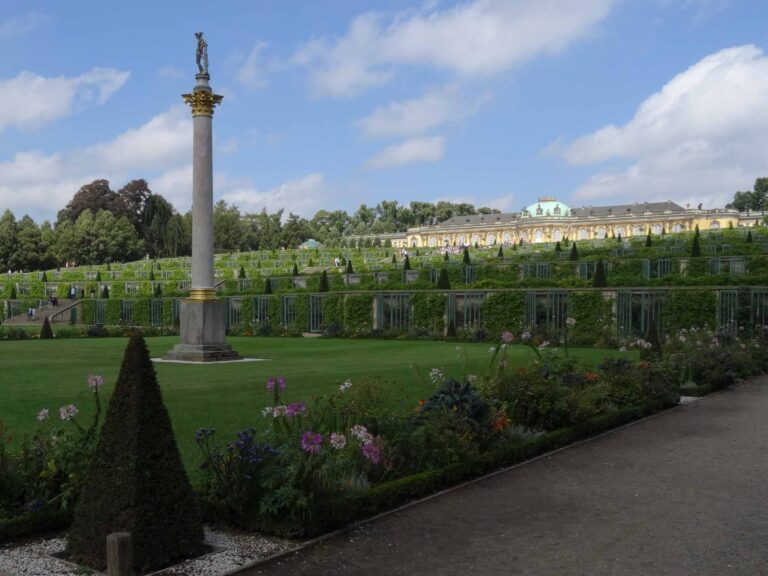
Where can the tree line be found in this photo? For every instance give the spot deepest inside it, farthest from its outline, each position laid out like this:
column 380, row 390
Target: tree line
column 101, row 225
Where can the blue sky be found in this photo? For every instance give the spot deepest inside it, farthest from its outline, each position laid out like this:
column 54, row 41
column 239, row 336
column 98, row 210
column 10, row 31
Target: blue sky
column 336, row 103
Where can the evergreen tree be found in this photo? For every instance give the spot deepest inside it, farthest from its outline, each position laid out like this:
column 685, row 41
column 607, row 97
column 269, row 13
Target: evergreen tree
column 574, row 255
column 613, row 234
column 105, row 292
column 663, row 230
column 324, row 284
column 241, row 274
column 730, row 225
column 268, row 286
column 558, row 248
column 648, row 242
column 45, row 332
column 696, row 248
column 417, row 252
column 350, row 270
column 466, row 259
column 136, row 482
column 394, row 259
column 445, row 256
column 158, row 291
column 98, row 275
column 501, row 252
column 151, row 275
column 618, row 238
column 599, row 280
column 514, row 247
column 697, row 231
column 443, row 281
column 44, row 277
column 13, row 292
column 407, row 263
column 749, row 236
column 295, row 269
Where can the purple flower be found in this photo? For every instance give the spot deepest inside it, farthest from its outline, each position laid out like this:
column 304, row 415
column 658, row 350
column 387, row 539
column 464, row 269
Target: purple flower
column 294, row 409
column 372, row 452
column 68, row 412
column 43, row 414
column 310, row 442
column 271, row 384
column 95, row 382
column 361, row 433
column 338, row 441
column 281, row 383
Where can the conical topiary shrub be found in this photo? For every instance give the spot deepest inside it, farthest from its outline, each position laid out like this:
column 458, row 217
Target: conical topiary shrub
column 574, row 255
column 45, row 332
column 443, row 281
column 295, row 269
column 500, row 253
column 407, row 263
column 696, row 247
column 158, row 291
column 105, row 291
column 558, row 248
column 749, row 236
column 465, row 260
column 241, row 273
column 268, row 286
column 599, row 281
column 350, row 270
column 137, row 483
column 648, row 242
column 324, row 285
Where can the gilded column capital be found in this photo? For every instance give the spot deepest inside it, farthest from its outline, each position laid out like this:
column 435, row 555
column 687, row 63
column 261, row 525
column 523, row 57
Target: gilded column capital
column 202, row 102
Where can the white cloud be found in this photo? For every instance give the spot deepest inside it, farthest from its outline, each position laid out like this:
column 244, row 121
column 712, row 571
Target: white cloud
column 31, row 101
column 252, row 72
column 417, row 116
column 41, row 184
column 20, row 25
column 304, row 196
column 415, row 150
column 700, row 138
column 170, row 72
column 472, row 39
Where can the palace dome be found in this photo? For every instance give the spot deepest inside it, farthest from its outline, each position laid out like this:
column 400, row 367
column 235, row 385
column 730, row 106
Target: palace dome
column 547, row 207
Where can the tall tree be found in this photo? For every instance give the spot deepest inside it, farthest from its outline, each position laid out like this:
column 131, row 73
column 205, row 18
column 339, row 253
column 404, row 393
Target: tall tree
column 8, row 241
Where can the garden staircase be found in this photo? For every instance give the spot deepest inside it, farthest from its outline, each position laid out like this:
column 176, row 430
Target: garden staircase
column 43, row 310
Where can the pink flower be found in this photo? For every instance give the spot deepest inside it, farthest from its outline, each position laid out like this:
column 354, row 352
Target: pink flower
column 372, row 452
column 68, row 412
column 338, row 441
column 311, row 442
column 95, row 382
column 42, row 415
column 294, row 409
column 507, row 337
column 361, row 433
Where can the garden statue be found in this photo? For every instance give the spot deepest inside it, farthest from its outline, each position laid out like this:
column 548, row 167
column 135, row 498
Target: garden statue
column 202, row 53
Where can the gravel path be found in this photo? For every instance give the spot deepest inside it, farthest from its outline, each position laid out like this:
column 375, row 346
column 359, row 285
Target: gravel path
column 684, row 493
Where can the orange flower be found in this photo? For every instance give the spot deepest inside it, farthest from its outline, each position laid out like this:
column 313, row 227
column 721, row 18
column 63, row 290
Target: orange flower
column 591, row 376
column 644, row 364
column 501, row 422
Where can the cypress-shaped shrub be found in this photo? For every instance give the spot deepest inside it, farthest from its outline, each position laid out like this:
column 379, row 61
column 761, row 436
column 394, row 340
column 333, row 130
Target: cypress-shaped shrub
column 350, row 270
column 295, row 269
column 241, row 274
column 268, row 286
column 394, row 259
column 445, row 256
column 324, row 285
column 574, row 255
column 618, row 238
column 599, row 280
column 105, row 292
column 158, row 291
column 443, row 281
column 151, row 275
column 13, row 292
column 697, row 231
column 137, row 483
column 98, row 275
column 648, row 242
column 407, row 263
column 558, row 248
column 44, row 277
column 696, row 248
column 749, row 238
column 466, row 259
column 501, row 253
column 45, row 332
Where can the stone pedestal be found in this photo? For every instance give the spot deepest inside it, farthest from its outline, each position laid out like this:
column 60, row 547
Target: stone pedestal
column 202, row 333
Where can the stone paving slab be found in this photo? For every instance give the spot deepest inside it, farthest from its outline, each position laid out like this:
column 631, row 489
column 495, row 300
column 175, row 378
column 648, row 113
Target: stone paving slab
column 683, row 493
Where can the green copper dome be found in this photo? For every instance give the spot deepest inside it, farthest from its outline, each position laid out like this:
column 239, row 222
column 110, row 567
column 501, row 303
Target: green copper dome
column 547, row 207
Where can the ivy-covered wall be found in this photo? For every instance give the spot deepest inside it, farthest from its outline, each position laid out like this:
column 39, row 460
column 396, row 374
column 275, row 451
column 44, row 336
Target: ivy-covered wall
column 503, row 311
column 429, row 313
column 594, row 318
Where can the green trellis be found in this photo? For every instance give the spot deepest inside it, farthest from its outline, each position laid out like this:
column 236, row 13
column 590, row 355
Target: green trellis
column 636, row 309
column 316, row 318
column 546, row 310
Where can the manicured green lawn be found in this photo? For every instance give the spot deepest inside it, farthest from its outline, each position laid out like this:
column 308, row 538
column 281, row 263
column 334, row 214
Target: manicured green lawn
column 38, row 374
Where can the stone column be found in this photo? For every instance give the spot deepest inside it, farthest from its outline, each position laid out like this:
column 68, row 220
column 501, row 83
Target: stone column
column 202, row 316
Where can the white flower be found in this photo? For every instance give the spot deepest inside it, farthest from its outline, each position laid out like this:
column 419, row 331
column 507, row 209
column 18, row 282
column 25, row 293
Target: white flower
column 570, row 321
column 623, row 349
column 345, row 386
column 42, row 415
column 492, row 350
column 95, row 382
column 267, row 411
column 361, row 433
column 437, row 376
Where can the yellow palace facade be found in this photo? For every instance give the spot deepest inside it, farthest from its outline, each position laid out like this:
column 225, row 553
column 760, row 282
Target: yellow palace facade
column 550, row 221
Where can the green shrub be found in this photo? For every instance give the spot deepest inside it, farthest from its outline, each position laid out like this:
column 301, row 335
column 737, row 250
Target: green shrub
column 45, row 331
column 137, row 483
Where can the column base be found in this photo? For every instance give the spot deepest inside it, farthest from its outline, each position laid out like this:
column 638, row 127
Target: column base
column 203, row 331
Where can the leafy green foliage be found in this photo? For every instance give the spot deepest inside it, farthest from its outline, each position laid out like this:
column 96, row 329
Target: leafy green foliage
column 599, row 280
column 574, row 254
column 443, row 281
column 45, row 331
